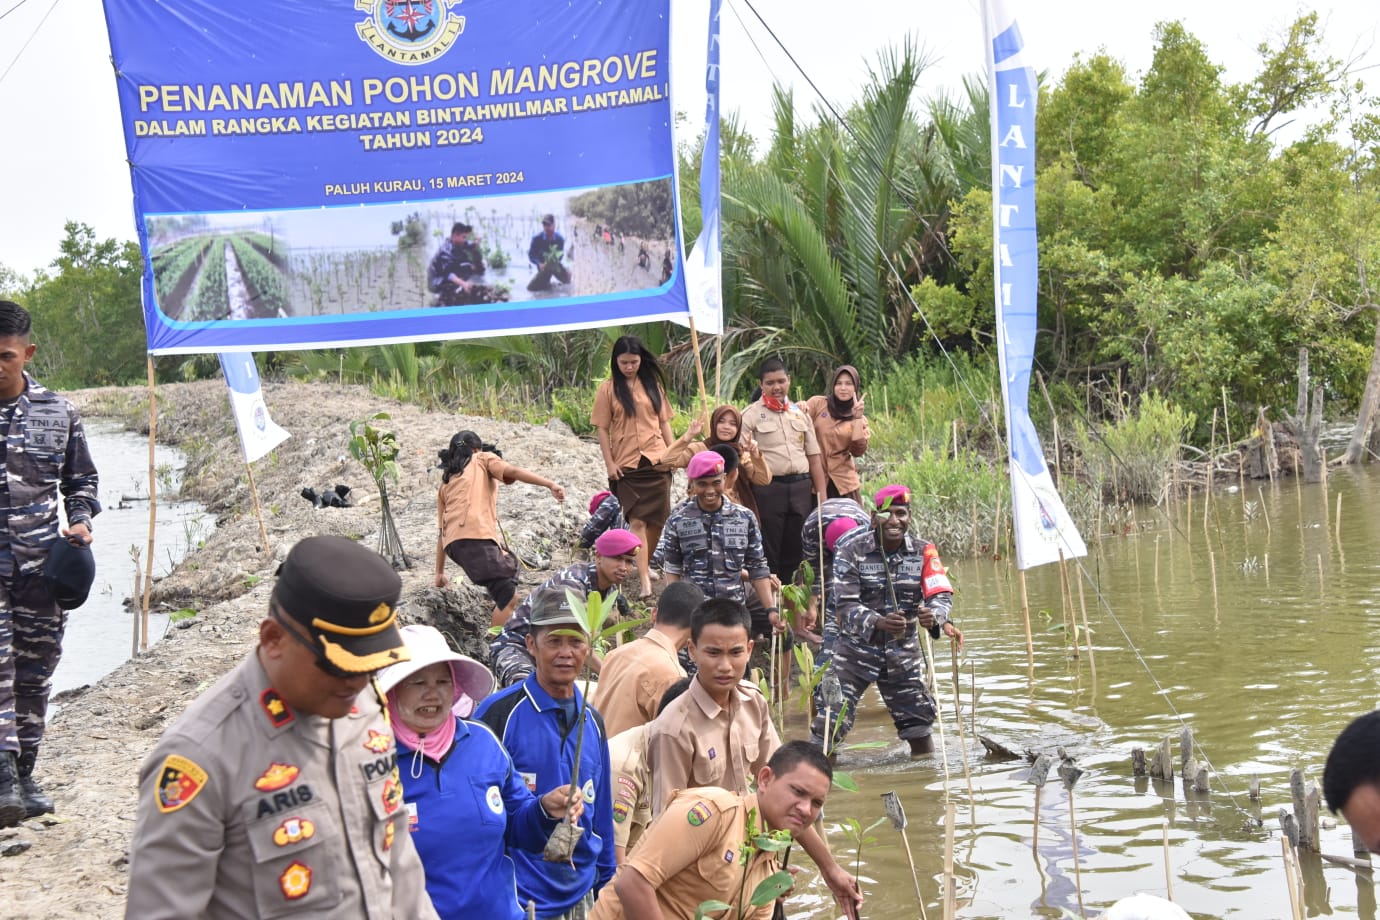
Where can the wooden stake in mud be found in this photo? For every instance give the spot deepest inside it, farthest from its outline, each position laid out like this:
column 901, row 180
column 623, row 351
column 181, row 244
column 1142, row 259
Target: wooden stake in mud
column 1066, row 596
column 1069, row 773
column 1168, row 866
column 1025, row 612
column 962, row 735
column 972, row 689
column 153, row 516
column 1087, row 632
column 1039, row 773
column 950, row 895
column 892, row 803
column 1290, row 880
column 1337, row 524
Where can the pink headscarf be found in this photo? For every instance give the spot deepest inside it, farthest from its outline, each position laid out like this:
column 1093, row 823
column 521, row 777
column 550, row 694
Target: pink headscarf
column 434, row 744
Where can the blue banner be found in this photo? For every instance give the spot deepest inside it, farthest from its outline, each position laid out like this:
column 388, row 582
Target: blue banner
column 1041, row 524
column 310, row 173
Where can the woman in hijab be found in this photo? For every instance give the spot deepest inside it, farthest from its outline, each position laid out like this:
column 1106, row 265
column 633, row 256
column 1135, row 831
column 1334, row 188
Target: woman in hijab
column 467, row 511
column 743, row 470
column 466, row 803
column 842, row 432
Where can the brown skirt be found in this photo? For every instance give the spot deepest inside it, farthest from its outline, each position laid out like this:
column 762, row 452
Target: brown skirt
column 645, row 494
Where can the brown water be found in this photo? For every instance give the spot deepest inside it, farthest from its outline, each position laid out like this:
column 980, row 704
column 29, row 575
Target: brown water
column 1266, row 661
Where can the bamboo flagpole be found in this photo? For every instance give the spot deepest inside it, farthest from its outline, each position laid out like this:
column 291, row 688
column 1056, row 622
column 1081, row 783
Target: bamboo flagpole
column 258, row 432
column 153, row 517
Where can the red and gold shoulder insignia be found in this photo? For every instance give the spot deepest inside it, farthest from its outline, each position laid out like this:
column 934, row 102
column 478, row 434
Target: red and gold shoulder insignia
column 293, row 830
column 378, row 742
column 295, row 881
column 392, row 794
column 179, row 781
column 276, row 777
column 277, row 711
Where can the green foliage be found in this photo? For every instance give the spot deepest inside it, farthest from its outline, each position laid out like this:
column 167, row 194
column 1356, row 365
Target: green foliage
column 858, row 836
column 641, row 209
column 87, row 314
column 1131, row 459
column 177, row 616
column 377, row 450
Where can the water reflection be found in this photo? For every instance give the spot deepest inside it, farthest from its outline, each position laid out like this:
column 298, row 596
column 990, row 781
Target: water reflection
column 1254, row 619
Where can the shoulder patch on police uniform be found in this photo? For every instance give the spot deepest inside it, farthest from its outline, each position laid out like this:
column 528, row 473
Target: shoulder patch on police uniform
column 276, row 777
column 295, row 881
column 179, row 781
column 392, row 793
column 293, row 830
column 620, row 812
column 277, row 711
column 698, row 814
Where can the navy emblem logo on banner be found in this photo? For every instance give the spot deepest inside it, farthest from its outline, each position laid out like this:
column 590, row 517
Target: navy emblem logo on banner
column 409, row 31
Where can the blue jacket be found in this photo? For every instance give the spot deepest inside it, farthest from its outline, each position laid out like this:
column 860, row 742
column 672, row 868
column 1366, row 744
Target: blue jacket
column 461, row 813
column 528, row 722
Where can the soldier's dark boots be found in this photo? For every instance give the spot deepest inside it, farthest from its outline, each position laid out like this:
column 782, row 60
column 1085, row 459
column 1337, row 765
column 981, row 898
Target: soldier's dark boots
column 920, row 746
column 11, row 805
column 36, row 802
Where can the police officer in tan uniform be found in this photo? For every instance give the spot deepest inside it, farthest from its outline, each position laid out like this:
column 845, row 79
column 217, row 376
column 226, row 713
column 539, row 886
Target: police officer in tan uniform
column 277, row 792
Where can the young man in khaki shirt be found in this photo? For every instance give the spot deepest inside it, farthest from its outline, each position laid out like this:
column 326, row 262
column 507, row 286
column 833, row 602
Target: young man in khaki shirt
column 634, row 677
column 786, row 436
column 699, row 849
column 720, row 733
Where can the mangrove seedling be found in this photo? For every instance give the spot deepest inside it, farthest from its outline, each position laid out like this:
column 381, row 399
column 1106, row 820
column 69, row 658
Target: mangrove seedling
column 377, row 451
column 767, row 890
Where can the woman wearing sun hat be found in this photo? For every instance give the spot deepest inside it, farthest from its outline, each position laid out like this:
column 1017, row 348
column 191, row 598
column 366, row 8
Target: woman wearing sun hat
column 464, row 797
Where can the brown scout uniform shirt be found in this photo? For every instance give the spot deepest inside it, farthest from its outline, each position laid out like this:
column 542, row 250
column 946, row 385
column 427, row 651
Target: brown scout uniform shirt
column 786, row 439
column 467, row 506
column 632, row 680
column 697, row 743
column 840, row 440
column 249, row 809
column 632, row 786
column 631, row 439
column 693, row 853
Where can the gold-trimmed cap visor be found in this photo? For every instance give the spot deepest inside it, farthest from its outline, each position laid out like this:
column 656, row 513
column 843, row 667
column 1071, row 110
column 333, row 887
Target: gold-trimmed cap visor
column 347, row 597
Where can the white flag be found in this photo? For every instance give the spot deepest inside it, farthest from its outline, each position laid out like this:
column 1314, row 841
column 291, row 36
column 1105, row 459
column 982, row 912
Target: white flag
column 1041, row 523
column 258, row 433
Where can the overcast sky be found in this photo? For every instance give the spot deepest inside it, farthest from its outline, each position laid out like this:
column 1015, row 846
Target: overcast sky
column 63, row 156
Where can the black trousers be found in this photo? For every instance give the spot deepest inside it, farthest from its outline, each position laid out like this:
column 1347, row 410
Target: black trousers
column 782, row 508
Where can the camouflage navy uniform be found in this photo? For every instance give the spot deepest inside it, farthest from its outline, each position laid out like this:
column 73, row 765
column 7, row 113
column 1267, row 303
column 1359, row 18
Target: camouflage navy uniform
column 833, row 509
column 508, row 657
column 863, row 653
column 712, row 548
column 44, row 452
column 607, row 516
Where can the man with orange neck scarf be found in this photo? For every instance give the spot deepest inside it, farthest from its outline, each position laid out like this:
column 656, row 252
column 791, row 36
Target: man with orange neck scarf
column 786, row 436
